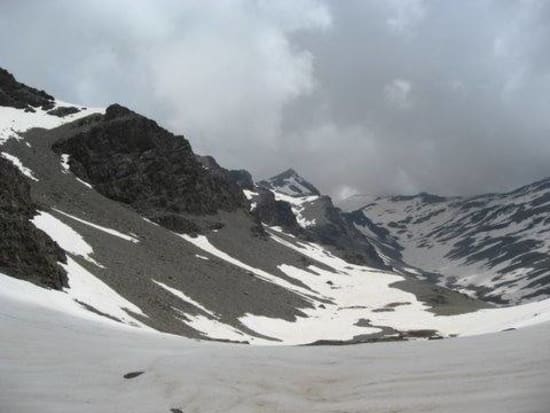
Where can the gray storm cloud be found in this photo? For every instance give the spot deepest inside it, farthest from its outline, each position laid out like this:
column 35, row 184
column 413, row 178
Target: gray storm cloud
column 360, row 96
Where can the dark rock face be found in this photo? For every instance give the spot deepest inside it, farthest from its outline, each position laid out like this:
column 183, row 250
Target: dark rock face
column 332, row 229
column 25, row 251
column 239, row 178
column 63, row 111
column 20, row 96
column 276, row 213
column 242, row 178
column 422, row 196
column 131, row 159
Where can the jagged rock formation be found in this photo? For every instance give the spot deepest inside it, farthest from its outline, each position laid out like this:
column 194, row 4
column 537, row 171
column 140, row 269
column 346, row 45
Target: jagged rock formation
column 317, row 218
column 20, row 96
column 25, row 251
column 131, row 159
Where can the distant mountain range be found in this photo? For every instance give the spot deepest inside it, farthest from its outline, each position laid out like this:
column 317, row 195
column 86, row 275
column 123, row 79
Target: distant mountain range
column 493, row 246
column 113, row 217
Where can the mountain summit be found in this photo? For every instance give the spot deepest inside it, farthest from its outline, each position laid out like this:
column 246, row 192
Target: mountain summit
column 290, row 183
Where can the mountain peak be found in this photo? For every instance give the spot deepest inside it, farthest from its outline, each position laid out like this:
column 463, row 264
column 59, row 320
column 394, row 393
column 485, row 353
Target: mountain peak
column 288, row 173
column 289, row 182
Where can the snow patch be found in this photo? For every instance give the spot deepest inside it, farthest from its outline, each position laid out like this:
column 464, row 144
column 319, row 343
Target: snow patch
column 15, row 160
column 67, row 238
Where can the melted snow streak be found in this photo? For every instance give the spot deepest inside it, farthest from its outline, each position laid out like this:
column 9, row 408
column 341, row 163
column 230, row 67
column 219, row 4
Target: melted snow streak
column 17, row 162
column 349, row 295
column 100, row 228
column 210, row 325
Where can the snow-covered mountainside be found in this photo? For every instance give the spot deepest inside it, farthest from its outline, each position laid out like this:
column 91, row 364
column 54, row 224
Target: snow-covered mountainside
column 108, row 216
column 494, row 246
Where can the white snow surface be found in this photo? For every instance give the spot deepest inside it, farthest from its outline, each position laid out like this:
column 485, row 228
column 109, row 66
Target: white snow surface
column 67, row 238
column 65, row 162
column 17, row 162
column 51, row 362
column 249, row 194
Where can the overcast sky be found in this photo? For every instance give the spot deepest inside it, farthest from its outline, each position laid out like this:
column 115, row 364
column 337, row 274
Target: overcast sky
column 377, row 97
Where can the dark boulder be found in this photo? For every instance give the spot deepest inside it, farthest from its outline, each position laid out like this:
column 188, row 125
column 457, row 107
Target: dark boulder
column 63, row 111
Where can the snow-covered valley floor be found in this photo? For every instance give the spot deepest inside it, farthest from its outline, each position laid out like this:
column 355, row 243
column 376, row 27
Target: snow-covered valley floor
column 52, row 361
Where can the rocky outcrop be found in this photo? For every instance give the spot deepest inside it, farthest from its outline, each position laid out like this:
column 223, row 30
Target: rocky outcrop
column 331, row 228
column 275, row 213
column 20, row 96
column 25, row 251
column 63, row 111
column 131, row 159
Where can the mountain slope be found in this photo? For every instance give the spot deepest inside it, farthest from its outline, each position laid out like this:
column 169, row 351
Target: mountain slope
column 495, row 246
